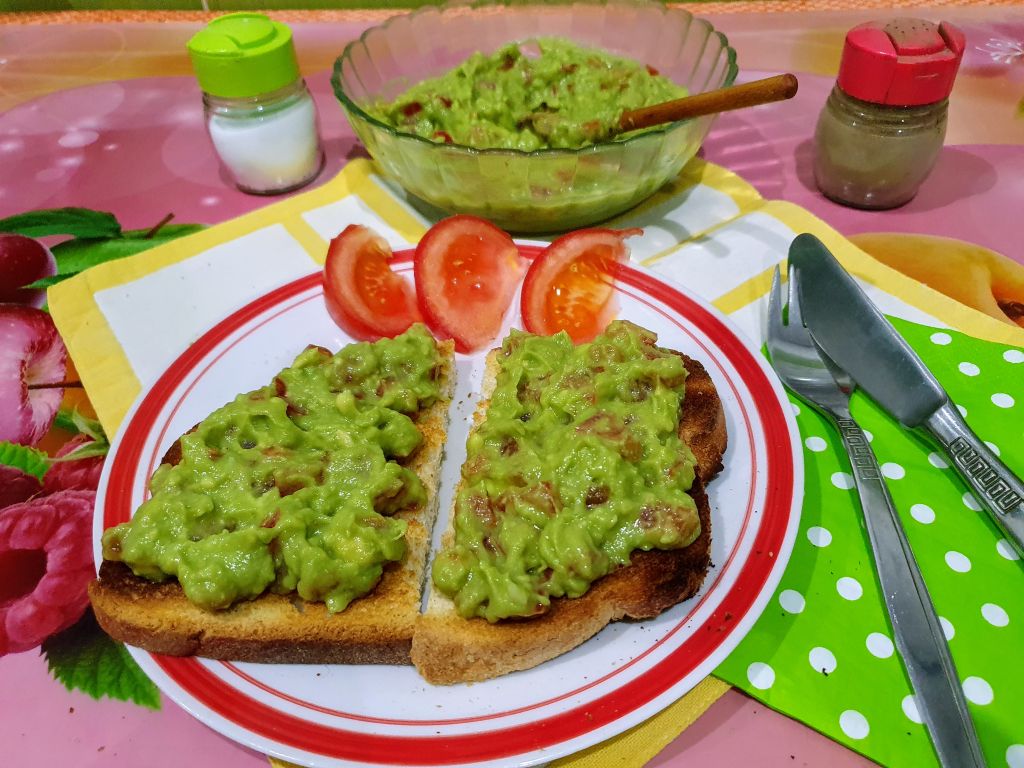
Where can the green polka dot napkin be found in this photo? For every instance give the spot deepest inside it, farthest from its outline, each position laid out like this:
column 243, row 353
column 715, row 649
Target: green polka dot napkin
column 823, row 650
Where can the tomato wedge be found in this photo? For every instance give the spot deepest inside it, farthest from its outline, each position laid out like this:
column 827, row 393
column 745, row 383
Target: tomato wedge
column 466, row 274
column 363, row 296
column 569, row 287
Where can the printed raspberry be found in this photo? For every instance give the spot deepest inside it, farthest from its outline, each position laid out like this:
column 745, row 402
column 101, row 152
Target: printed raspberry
column 16, row 486
column 77, row 475
column 45, row 567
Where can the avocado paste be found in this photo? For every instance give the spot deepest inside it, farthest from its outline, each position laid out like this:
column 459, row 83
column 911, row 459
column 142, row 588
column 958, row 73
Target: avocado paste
column 577, row 464
column 292, row 487
column 549, row 93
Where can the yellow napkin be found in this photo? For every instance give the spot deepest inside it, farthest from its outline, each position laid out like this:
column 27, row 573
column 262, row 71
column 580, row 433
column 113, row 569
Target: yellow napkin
column 125, row 321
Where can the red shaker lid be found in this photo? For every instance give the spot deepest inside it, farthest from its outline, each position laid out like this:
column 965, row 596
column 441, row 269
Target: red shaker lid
column 902, row 62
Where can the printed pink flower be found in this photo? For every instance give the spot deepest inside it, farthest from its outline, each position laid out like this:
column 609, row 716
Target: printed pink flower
column 45, row 567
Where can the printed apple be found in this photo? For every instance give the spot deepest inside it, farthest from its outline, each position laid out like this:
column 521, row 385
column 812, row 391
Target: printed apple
column 33, row 360
column 22, row 262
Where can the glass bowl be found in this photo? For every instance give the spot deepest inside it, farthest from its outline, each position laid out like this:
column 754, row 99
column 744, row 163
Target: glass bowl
column 546, row 190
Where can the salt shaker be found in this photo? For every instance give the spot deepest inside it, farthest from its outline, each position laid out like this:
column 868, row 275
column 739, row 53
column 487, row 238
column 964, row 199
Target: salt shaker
column 259, row 113
column 883, row 125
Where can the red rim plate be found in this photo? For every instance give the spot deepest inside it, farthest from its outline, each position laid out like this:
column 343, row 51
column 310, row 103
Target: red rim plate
column 755, row 575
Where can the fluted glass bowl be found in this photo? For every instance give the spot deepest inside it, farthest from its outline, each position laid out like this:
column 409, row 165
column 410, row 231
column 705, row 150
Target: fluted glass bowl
column 546, row 190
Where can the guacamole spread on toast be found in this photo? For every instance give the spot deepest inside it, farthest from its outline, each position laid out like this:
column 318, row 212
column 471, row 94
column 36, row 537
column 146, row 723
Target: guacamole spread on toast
column 549, row 93
column 292, row 487
column 577, row 463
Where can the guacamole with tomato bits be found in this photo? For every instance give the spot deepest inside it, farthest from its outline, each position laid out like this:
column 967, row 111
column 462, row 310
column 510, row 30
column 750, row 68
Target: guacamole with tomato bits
column 549, row 93
column 292, row 487
column 577, row 464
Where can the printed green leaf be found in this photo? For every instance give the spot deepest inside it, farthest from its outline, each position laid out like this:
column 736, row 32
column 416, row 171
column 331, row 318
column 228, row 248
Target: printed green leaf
column 75, row 256
column 77, row 222
column 65, row 420
column 29, row 460
column 87, row 426
column 46, row 282
column 76, row 423
column 85, row 451
column 84, row 658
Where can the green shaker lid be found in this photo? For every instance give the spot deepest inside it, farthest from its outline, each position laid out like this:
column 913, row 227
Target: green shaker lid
column 243, row 54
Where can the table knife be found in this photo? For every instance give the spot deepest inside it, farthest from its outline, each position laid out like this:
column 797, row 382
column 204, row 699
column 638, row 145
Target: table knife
column 849, row 327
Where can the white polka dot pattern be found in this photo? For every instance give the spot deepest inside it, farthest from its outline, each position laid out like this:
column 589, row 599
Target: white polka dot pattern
column 791, row 601
column 994, row 615
column 923, row 514
column 761, row 676
column 818, row 536
column 909, row 705
column 947, row 628
column 1003, row 400
column 842, row 480
column 978, row 691
column 958, row 561
column 854, row 724
column 893, row 471
column 849, row 588
column 879, row 645
column 822, row 660
column 1005, row 549
column 815, row 444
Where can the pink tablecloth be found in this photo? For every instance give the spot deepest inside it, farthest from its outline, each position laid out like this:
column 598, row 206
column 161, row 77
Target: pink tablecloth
column 136, row 147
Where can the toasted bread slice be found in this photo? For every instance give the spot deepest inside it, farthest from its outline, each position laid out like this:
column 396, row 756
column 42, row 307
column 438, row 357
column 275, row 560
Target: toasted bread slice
column 448, row 648
column 375, row 629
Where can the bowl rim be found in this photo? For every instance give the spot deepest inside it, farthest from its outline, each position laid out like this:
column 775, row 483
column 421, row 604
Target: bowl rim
column 352, row 107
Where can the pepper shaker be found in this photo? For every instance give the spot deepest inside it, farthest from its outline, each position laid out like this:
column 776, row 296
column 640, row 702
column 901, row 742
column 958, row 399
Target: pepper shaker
column 882, row 128
column 259, row 114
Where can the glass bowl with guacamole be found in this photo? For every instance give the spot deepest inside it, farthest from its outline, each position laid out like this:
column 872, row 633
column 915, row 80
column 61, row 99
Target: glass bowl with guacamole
column 507, row 111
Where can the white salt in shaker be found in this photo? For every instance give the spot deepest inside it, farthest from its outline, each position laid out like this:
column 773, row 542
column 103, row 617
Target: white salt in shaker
column 259, row 113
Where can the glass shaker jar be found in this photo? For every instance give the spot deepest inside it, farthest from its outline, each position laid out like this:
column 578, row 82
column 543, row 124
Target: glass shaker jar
column 259, row 114
column 883, row 125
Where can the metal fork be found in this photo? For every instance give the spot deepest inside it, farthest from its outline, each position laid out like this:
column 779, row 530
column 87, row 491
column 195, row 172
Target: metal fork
column 810, row 373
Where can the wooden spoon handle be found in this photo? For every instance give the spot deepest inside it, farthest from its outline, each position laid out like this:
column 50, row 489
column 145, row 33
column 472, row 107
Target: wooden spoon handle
column 777, row 88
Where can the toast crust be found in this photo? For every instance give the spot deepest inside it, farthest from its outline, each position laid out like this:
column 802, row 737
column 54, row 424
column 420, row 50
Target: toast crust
column 374, row 629
column 448, row 648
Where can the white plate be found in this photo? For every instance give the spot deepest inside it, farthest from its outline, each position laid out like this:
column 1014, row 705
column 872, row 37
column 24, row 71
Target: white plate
column 387, row 715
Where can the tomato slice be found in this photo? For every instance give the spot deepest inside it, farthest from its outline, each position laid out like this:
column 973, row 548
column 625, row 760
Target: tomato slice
column 363, row 296
column 467, row 271
column 569, row 287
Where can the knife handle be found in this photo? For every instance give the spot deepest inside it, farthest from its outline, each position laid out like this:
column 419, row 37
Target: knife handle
column 916, row 629
column 997, row 489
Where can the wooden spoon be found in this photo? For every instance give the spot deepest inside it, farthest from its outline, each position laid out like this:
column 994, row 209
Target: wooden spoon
column 777, row 88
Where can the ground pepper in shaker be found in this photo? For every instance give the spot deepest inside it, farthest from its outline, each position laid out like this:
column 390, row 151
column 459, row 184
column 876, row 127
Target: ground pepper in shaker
column 259, row 113
column 883, row 125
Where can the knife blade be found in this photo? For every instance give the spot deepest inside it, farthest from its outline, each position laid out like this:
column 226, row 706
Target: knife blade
column 849, row 327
